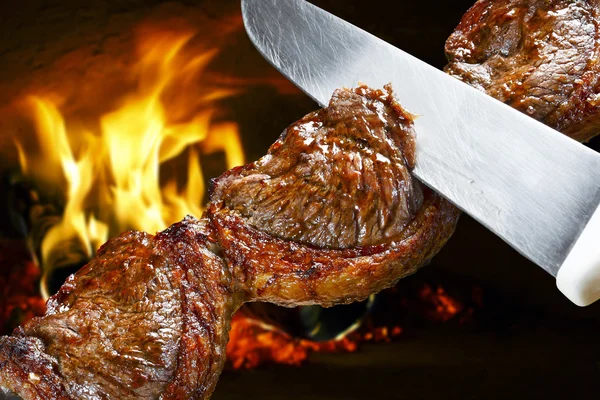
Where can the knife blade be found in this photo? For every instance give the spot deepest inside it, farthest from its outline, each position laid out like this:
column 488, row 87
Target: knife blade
column 535, row 188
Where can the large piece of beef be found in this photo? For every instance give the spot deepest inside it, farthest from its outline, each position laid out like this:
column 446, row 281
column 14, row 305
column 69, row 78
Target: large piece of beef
column 148, row 317
column 539, row 56
column 329, row 216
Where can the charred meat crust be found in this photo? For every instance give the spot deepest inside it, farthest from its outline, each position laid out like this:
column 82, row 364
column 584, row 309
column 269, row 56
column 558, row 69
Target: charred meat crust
column 287, row 273
column 540, row 57
column 207, row 306
column 298, row 228
column 148, row 317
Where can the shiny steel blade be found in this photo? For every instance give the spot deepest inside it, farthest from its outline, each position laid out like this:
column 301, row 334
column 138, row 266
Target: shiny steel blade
column 529, row 184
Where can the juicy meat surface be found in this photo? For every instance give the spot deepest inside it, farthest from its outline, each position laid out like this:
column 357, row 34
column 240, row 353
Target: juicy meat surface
column 539, row 56
column 331, row 214
column 148, row 317
column 337, row 178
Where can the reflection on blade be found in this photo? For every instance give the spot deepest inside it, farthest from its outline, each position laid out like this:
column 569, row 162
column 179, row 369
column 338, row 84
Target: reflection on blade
column 530, row 185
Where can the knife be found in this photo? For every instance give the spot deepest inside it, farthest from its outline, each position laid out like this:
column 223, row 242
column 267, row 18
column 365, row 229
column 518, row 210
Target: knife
column 535, row 188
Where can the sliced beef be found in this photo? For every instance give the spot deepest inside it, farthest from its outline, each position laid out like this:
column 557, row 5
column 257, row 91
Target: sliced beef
column 539, row 56
column 331, row 214
column 148, row 317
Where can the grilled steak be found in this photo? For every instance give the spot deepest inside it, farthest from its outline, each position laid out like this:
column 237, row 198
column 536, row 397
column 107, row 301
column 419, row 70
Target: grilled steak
column 538, row 56
column 331, row 214
column 147, row 318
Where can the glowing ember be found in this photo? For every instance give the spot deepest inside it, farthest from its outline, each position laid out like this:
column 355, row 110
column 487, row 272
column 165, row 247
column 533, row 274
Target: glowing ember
column 18, row 302
column 444, row 306
column 253, row 343
column 382, row 334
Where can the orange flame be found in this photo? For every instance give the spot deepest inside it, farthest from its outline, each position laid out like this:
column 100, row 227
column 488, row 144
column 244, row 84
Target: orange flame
column 111, row 167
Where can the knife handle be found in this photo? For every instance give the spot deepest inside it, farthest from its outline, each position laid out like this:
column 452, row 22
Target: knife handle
column 579, row 276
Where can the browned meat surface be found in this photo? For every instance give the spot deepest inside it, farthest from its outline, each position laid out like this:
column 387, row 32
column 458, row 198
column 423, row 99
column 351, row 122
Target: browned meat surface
column 539, row 56
column 331, row 214
column 338, row 178
column 27, row 370
column 147, row 318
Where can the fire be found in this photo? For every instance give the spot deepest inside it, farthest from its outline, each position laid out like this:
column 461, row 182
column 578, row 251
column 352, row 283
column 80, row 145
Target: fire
column 110, row 164
column 253, row 343
column 445, row 307
column 107, row 150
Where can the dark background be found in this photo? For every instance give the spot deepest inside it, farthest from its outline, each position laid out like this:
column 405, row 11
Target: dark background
column 535, row 344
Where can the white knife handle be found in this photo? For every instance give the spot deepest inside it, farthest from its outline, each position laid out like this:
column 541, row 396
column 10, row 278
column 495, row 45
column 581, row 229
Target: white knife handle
column 579, row 276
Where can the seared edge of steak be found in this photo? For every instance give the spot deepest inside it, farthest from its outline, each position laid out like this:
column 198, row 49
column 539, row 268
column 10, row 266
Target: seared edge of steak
column 208, row 304
column 287, row 273
column 540, row 57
